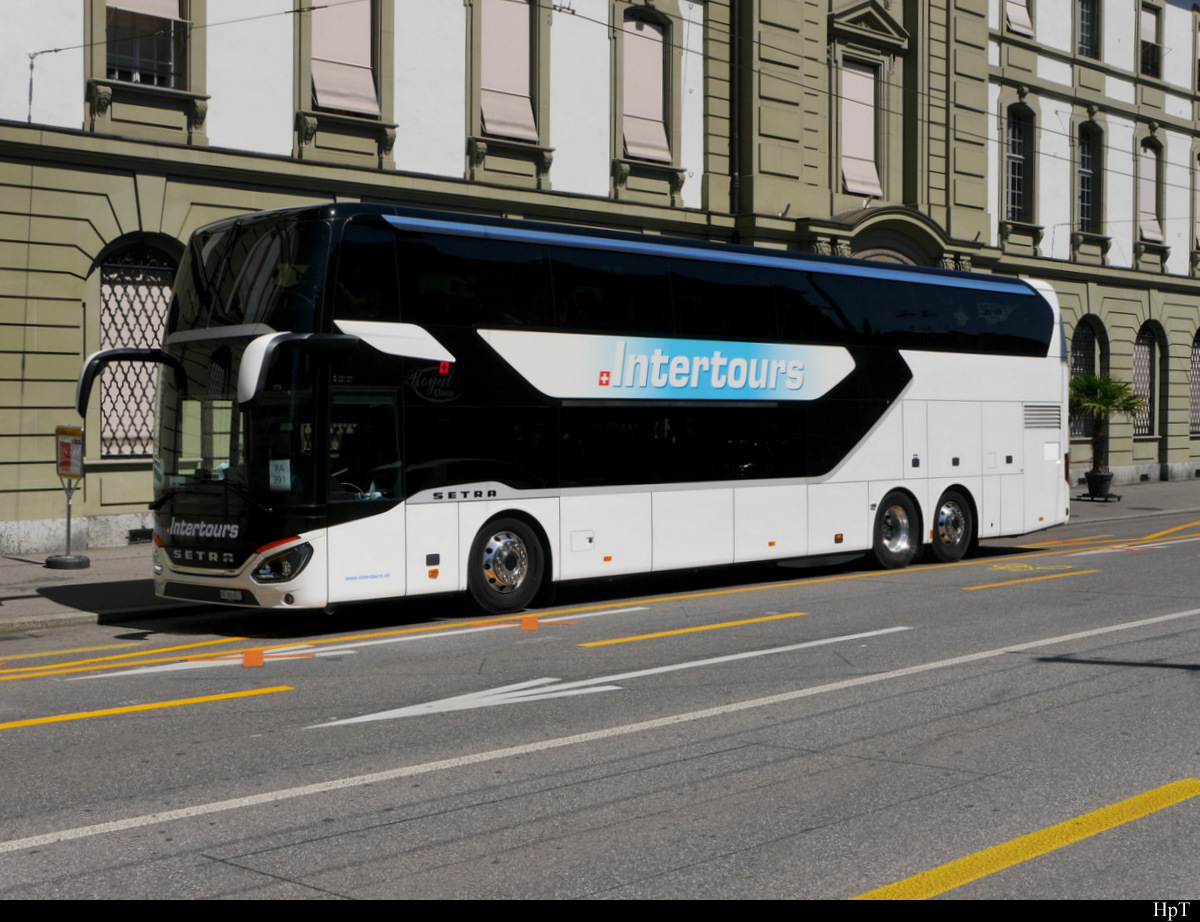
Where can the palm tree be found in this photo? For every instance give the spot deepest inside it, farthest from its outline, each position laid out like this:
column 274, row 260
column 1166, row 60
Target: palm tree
column 1098, row 397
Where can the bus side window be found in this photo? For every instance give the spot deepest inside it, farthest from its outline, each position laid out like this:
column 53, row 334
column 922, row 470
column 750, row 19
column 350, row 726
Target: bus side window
column 722, row 301
column 367, row 288
column 467, row 282
column 603, row 291
column 807, row 316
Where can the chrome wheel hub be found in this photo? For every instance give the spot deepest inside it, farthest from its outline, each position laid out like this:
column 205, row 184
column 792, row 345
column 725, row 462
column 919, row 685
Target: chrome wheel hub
column 505, row 562
column 951, row 524
column 896, row 529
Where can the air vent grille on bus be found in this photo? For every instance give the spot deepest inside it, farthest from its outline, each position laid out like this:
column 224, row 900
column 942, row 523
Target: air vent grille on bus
column 1043, row 416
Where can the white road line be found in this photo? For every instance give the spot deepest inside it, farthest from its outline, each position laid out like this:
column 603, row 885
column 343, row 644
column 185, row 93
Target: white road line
column 540, row 689
column 424, row 768
column 353, row 647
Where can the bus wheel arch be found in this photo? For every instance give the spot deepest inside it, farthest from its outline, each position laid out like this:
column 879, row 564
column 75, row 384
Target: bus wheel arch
column 896, row 534
column 954, row 528
column 508, row 564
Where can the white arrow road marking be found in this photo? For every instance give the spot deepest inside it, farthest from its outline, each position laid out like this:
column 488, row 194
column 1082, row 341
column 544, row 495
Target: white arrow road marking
column 537, row 690
column 351, row 782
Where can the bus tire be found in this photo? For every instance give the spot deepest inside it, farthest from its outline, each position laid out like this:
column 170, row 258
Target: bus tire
column 504, row 571
column 953, row 528
column 897, row 532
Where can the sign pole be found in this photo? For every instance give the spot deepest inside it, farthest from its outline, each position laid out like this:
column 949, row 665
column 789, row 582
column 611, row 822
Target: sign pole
column 69, row 457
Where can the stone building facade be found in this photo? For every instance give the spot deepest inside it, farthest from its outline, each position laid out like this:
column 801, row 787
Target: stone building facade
column 1058, row 140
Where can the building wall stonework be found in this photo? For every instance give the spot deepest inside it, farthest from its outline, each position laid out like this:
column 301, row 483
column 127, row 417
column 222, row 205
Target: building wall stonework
column 759, row 139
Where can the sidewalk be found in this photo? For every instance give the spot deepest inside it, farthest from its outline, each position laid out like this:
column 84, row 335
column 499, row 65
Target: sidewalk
column 119, row 583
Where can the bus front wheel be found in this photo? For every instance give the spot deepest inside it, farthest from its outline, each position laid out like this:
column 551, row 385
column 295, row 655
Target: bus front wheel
column 505, row 567
column 897, row 532
column 953, row 528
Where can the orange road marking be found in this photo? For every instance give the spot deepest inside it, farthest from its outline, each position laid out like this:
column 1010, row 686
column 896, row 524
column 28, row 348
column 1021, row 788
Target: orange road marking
column 1029, row 579
column 1168, row 531
column 133, row 708
column 693, row 630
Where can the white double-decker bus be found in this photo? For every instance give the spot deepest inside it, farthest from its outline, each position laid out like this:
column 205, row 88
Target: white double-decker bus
column 364, row 402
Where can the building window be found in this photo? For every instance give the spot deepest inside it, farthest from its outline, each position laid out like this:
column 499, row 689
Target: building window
column 343, row 60
column 1151, row 42
column 1091, row 146
column 1145, row 378
column 1149, row 199
column 505, row 73
column 644, row 90
column 135, row 290
column 1083, row 362
column 860, row 172
column 1016, row 13
column 1089, row 29
column 147, row 43
column 1194, row 386
column 1196, row 203
column 1019, row 166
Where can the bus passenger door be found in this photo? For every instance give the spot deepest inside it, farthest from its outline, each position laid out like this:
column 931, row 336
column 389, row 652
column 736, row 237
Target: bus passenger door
column 364, row 487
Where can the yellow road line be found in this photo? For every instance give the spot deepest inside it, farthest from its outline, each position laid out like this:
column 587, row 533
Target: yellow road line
column 117, row 656
column 153, row 706
column 1169, row 531
column 1028, row 579
column 692, row 630
column 990, row 860
column 107, row 646
column 84, row 665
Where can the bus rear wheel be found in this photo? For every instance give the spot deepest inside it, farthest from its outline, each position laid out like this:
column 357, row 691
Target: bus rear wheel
column 897, row 532
column 505, row 568
column 953, row 528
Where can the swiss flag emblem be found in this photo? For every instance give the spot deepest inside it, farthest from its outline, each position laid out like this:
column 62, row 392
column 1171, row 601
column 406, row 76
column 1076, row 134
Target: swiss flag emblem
column 604, row 379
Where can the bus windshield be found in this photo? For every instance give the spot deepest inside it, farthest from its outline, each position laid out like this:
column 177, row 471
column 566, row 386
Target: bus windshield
column 264, row 454
column 240, row 280
column 267, row 270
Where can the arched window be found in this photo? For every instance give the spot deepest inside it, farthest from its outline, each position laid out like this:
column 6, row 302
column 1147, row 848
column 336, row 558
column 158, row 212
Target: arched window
column 1089, row 356
column 1194, row 386
column 1018, row 176
column 1145, row 379
column 135, row 289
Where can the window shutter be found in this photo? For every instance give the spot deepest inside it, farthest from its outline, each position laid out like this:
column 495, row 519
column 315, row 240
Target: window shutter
column 343, row 74
column 860, row 174
column 504, row 65
column 644, row 126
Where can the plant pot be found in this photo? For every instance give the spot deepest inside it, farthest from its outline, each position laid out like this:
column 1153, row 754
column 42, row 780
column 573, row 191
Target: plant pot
column 1098, row 483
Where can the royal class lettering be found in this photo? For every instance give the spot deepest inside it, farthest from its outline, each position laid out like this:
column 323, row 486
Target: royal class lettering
column 660, row 369
column 202, row 529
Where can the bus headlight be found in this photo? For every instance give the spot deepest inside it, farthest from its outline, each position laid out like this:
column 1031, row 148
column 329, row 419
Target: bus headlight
column 285, row 565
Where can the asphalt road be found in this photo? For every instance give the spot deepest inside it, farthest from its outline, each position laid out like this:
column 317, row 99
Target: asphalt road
column 1018, row 725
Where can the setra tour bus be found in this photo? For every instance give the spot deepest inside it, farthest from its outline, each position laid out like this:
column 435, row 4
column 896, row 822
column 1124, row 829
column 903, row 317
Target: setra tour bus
column 364, row 402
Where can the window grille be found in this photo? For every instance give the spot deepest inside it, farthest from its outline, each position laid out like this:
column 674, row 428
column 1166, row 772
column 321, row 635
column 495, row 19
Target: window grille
column 1144, row 349
column 1194, row 387
column 1083, row 362
column 135, row 290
